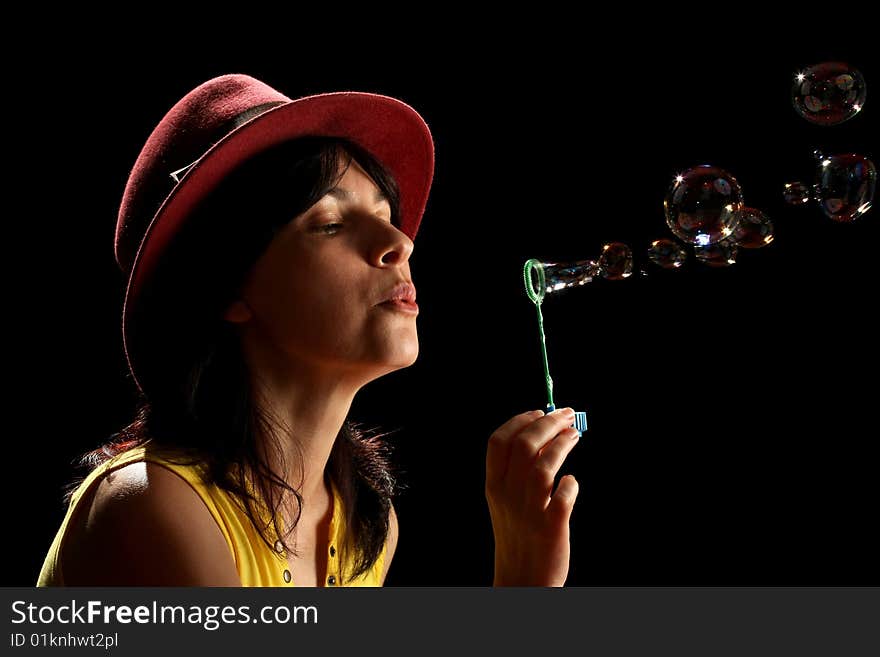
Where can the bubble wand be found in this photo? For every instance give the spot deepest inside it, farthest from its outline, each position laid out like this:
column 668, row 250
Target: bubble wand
column 564, row 276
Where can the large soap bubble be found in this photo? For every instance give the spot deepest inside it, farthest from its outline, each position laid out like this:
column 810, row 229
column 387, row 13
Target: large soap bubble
column 828, row 93
column 845, row 185
column 703, row 205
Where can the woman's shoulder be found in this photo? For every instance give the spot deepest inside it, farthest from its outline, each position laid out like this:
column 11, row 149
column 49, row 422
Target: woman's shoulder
column 143, row 523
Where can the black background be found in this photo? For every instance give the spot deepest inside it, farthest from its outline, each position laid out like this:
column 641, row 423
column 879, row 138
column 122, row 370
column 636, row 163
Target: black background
column 732, row 434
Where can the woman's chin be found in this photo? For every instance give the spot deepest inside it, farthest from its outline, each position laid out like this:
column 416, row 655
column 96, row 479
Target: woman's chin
column 400, row 359
column 404, row 360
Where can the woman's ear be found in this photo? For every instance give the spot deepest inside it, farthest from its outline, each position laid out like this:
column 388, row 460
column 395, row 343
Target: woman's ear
column 238, row 312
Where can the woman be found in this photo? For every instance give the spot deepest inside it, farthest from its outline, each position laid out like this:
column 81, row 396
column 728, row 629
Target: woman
column 266, row 243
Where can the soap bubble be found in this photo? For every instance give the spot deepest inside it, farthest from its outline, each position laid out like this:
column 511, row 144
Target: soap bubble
column 845, row 185
column 754, row 229
column 829, row 93
column 616, row 261
column 797, row 193
column 667, row 253
column 720, row 254
column 703, row 204
column 542, row 278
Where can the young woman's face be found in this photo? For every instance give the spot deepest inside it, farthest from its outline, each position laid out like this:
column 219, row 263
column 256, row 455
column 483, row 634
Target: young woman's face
column 314, row 295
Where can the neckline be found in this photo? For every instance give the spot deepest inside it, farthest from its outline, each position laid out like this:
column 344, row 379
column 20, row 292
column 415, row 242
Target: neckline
column 329, row 539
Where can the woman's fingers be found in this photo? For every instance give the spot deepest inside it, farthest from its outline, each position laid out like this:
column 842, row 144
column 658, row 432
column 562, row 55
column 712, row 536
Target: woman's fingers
column 562, row 502
column 528, row 442
column 498, row 452
column 539, row 483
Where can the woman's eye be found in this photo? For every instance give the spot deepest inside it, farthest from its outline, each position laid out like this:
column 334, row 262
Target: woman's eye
column 329, row 228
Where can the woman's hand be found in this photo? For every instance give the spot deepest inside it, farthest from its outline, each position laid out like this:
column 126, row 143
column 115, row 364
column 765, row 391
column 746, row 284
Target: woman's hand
column 529, row 519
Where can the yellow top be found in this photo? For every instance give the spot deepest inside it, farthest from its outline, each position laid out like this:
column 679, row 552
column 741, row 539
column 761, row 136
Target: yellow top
column 257, row 564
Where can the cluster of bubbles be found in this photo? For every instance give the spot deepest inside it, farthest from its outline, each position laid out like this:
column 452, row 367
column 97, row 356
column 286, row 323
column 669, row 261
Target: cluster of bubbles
column 705, row 209
column 704, row 206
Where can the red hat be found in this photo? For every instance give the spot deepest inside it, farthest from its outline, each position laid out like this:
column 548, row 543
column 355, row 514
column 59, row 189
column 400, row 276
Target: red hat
column 215, row 128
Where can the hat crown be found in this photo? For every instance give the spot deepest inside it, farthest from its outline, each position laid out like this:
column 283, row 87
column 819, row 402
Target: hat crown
column 196, row 122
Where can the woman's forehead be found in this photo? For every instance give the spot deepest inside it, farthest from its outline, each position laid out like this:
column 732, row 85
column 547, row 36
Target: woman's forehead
column 348, row 195
column 356, row 181
column 356, row 186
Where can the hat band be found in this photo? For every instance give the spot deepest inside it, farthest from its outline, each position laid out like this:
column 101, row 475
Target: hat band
column 230, row 125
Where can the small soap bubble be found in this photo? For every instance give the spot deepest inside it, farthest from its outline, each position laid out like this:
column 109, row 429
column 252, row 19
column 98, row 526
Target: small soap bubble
column 616, row 261
column 828, row 93
column 703, row 205
column 754, row 229
column 845, row 185
column 797, row 193
column 720, row 254
column 667, row 253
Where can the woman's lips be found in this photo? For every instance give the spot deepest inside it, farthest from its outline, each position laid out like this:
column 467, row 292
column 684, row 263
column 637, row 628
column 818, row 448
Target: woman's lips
column 400, row 305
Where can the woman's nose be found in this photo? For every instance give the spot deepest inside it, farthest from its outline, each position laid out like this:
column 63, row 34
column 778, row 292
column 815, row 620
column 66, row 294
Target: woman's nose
column 394, row 247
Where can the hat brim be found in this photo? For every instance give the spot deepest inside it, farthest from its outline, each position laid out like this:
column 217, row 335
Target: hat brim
column 389, row 129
